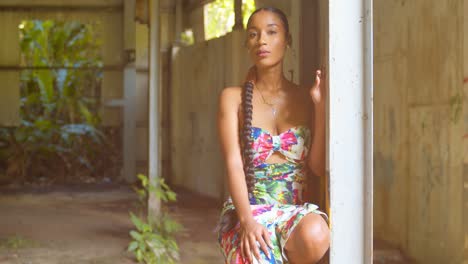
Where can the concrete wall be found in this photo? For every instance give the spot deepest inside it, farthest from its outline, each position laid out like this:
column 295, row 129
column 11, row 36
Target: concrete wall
column 199, row 73
column 9, row 55
column 142, row 84
column 418, row 129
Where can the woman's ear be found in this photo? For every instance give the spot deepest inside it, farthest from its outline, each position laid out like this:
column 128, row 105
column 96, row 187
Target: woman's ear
column 289, row 40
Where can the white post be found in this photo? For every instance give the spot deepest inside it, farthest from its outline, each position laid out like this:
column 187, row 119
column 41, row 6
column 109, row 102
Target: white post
column 154, row 168
column 350, row 130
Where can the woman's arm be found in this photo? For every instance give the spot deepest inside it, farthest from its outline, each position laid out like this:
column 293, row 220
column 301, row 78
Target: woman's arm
column 250, row 232
column 228, row 129
column 316, row 160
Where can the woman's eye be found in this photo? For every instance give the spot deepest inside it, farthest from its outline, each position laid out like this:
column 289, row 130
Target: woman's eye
column 252, row 34
column 271, row 32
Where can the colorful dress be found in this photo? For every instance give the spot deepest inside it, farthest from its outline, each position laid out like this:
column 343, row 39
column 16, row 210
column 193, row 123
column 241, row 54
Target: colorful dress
column 277, row 201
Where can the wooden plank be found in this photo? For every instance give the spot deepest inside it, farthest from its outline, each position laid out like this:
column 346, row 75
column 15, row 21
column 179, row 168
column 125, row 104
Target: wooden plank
column 10, row 99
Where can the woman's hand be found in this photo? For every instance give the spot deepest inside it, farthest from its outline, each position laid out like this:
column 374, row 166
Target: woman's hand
column 251, row 233
column 317, row 92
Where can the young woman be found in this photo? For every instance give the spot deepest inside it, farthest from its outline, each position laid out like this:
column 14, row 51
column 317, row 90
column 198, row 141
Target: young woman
column 268, row 146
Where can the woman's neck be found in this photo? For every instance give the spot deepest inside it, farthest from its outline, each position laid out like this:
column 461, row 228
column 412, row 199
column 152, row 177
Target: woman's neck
column 270, row 79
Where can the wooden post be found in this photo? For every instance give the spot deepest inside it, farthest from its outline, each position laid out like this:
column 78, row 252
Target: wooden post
column 154, row 203
column 350, row 134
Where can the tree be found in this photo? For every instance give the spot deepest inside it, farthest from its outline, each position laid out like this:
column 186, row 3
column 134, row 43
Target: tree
column 219, row 16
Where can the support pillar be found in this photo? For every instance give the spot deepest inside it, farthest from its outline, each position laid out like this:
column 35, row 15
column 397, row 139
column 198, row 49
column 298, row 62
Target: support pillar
column 350, row 133
column 154, row 203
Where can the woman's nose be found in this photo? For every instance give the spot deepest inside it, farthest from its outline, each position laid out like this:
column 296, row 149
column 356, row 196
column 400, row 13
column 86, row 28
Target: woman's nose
column 261, row 39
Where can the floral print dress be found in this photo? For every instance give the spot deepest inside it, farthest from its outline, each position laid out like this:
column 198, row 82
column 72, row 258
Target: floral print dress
column 277, row 201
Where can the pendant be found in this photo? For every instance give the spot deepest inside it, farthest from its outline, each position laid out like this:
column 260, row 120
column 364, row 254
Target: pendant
column 274, row 112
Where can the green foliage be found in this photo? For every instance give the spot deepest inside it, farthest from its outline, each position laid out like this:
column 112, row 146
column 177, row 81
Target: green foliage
column 65, row 94
column 17, row 242
column 219, row 16
column 187, row 38
column 248, row 7
column 153, row 241
column 59, row 132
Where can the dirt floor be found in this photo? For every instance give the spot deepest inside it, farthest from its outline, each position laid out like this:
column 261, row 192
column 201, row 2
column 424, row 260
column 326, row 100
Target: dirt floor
column 90, row 224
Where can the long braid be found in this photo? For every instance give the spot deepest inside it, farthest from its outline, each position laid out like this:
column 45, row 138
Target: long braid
column 247, row 151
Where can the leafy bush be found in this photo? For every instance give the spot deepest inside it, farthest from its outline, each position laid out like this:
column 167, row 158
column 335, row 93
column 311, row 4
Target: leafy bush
column 153, row 241
column 60, row 131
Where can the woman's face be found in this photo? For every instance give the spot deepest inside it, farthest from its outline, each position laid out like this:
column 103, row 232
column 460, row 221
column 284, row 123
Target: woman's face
column 266, row 39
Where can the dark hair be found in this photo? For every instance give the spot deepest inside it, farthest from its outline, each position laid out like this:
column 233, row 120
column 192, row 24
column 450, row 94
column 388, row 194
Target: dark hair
column 276, row 11
column 230, row 219
column 247, row 151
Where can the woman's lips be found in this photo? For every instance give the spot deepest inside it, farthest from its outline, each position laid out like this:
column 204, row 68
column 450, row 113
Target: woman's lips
column 262, row 53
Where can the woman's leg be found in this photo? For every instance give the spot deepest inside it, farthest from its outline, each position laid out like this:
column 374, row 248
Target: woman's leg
column 309, row 241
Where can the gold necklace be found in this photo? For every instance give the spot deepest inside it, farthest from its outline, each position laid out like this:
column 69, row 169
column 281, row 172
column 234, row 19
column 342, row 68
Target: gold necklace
column 272, row 106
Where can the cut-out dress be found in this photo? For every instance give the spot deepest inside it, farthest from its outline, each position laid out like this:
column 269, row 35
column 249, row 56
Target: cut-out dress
column 276, row 201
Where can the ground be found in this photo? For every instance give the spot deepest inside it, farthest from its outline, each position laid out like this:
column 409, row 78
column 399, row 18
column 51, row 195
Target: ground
column 90, row 224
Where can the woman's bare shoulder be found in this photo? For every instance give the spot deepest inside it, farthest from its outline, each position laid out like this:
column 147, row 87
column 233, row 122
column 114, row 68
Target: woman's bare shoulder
column 232, row 94
column 232, row 90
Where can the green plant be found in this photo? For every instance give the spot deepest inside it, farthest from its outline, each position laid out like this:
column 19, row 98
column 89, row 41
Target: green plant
column 64, row 80
column 17, row 242
column 186, row 37
column 154, row 241
column 59, row 133
column 219, row 16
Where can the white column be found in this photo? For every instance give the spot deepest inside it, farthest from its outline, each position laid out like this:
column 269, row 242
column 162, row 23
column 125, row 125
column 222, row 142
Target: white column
column 350, row 130
column 154, row 159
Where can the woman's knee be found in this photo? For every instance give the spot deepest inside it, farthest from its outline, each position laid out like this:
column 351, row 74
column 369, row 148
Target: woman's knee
column 310, row 239
column 315, row 231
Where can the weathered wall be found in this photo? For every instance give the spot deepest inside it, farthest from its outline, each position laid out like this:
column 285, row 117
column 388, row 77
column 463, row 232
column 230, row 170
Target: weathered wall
column 200, row 72
column 9, row 56
column 141, row 93
column 417, row 127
